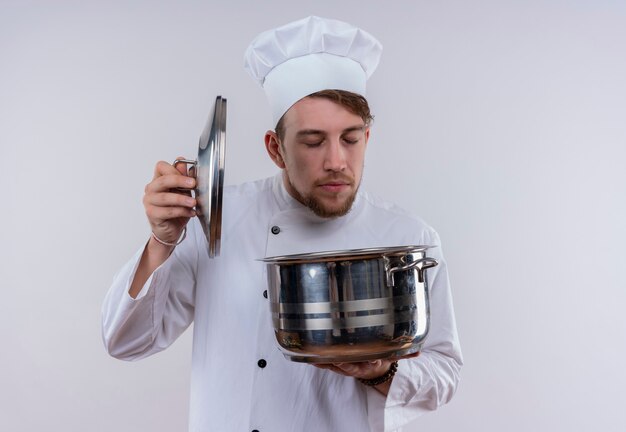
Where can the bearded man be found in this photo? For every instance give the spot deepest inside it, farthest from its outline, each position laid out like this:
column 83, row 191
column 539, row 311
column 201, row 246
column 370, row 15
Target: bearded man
column 313, row 72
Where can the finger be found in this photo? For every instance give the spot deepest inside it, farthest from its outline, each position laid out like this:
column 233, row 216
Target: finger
column 181, row 167
column 169, row 199
column 368, row 369
column 163, row 168
column 351, row 368
column 170, row 181
column 358, row 369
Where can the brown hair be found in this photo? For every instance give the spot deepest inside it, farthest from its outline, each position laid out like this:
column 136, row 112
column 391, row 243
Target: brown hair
column 353, row 102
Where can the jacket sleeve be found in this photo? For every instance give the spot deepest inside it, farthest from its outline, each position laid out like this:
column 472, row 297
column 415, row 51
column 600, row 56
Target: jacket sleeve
column 424, row 383
column 163, row 309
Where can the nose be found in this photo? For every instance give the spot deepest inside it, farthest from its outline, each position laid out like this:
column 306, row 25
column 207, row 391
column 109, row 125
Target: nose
column 335, row 157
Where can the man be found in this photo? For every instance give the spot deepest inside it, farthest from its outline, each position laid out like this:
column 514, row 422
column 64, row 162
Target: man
column 314, row 73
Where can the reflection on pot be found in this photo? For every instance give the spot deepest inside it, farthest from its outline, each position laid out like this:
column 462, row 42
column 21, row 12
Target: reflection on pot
column 354, row 305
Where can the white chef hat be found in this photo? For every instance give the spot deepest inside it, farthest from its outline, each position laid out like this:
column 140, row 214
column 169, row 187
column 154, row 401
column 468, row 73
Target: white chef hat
column 309, row 55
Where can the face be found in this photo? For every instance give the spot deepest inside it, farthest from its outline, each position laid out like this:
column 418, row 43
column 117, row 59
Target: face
column 321, row 154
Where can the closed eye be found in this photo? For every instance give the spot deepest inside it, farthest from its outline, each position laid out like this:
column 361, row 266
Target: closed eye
column 351, row 139
column 311, row 137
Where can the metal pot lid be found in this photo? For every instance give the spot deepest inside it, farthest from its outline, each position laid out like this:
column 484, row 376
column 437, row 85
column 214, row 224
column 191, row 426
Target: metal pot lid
column 210, row 176
column 345, row 254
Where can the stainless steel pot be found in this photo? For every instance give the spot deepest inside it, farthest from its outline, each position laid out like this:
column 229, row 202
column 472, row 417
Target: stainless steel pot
column 347, row 306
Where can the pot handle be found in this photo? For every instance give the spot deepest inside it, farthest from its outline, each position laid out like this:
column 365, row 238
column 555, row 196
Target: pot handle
column 191, row 172
column 185, row 161
column 426, row 264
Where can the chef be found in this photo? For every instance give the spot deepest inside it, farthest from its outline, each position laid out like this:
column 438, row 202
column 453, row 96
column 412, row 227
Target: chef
column 313, row 72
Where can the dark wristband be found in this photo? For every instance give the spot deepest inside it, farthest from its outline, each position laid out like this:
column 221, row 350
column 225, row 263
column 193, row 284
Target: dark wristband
column 383, row 378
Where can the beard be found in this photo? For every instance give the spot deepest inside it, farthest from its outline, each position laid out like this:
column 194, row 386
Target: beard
column 320, row 209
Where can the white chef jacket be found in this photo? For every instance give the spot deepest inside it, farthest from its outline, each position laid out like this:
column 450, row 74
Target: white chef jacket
column 232, row 331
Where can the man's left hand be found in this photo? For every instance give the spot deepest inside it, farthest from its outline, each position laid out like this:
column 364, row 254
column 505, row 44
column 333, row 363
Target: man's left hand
column 365, row 370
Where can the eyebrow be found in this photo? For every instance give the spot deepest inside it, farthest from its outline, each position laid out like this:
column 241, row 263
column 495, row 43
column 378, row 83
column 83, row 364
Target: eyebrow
column 307, row 132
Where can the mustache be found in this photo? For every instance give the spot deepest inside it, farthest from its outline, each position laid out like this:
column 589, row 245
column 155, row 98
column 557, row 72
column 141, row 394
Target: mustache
column 335, row 178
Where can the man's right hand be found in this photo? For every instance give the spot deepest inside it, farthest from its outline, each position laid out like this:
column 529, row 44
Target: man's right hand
column 168, row 201
column 169, row 206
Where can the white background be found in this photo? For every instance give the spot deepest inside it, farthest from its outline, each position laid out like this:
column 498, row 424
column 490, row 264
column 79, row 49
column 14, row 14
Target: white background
column 501, row 123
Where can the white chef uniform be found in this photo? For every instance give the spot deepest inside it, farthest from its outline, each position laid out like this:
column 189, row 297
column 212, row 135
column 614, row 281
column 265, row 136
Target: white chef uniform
column 240, row 381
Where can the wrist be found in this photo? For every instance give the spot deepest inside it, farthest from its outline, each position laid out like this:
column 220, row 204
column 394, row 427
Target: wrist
column 182, row 236
column 382, row 379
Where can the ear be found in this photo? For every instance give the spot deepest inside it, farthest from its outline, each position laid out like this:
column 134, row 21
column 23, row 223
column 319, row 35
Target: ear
column 272, row 145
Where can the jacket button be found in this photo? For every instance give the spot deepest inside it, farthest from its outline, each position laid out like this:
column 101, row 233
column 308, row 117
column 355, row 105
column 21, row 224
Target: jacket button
column 262, row 363
column 255, row 430
column 275, row 229
column 265, row 293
